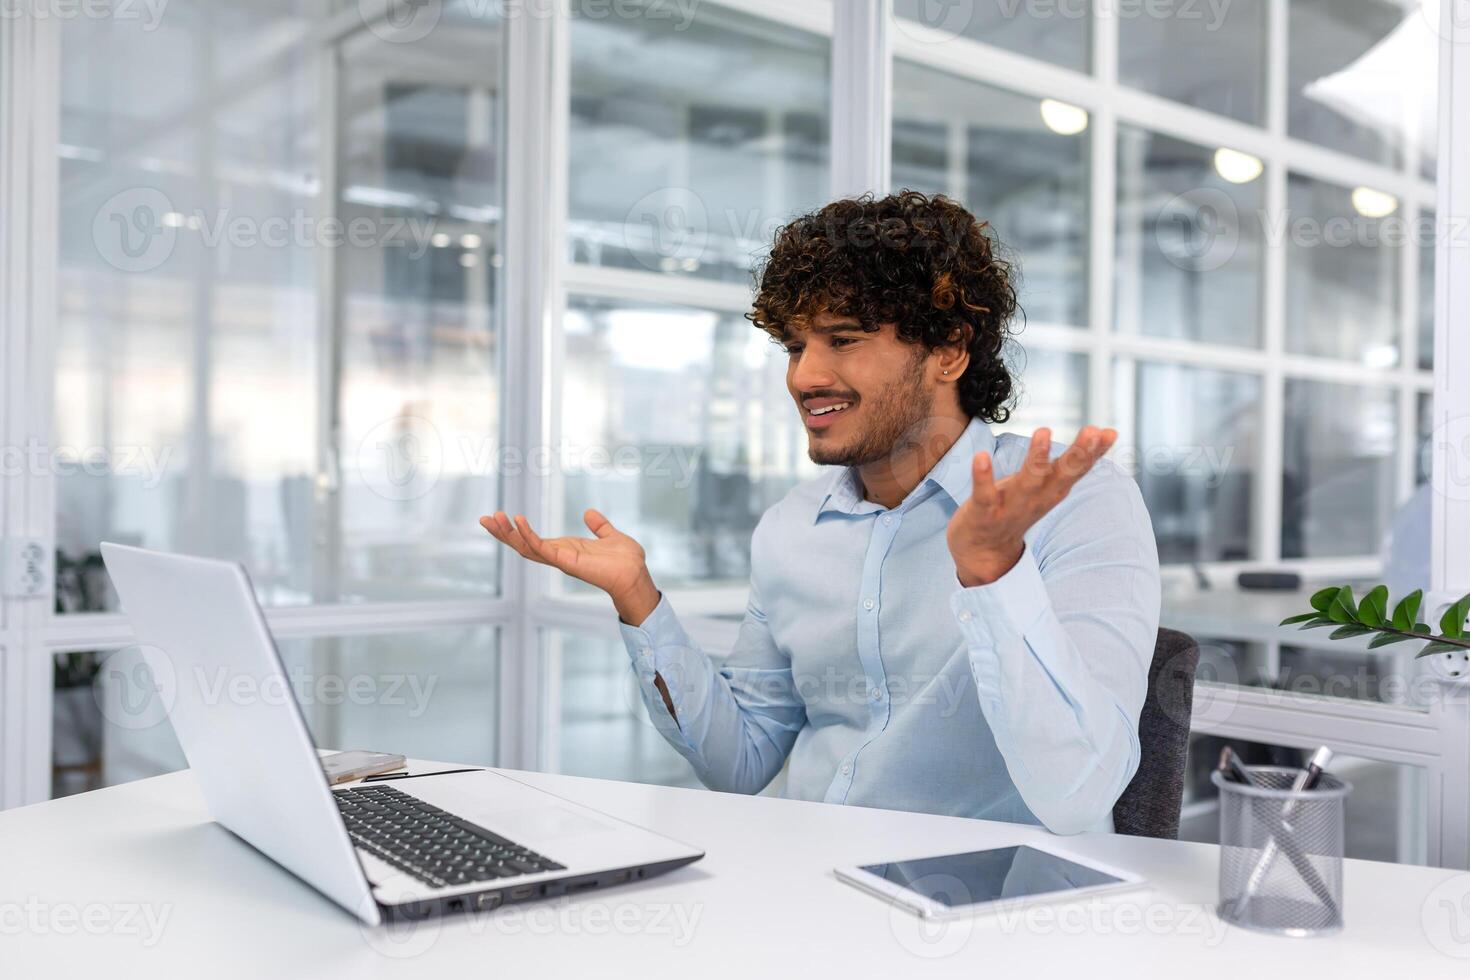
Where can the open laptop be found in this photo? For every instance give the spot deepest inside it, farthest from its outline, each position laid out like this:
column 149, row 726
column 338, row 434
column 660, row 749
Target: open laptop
column 392, row 850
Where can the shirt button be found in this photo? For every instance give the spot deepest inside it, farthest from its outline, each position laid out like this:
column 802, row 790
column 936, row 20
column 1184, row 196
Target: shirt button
column 847, row 768
column 867, row 603
column 888, row 520
column 965, row 617
column 876, row 694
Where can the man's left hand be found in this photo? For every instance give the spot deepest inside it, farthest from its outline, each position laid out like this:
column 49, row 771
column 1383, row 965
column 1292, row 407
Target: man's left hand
column 987, row 534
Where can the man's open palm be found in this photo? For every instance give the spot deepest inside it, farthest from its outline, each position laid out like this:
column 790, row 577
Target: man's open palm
column 986, row 534
column 610, row 561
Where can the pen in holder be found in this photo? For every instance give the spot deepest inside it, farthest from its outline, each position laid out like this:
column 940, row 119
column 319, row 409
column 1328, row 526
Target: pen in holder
column 1281, row 852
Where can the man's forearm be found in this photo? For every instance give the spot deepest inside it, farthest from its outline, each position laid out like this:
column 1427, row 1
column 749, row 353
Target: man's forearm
column 637, row 603
column 735, row 724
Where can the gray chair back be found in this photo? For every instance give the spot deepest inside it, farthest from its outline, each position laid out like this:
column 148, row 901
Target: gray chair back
column 1149, row 807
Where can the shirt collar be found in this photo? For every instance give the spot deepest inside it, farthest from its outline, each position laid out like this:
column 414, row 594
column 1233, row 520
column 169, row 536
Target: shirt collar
column 951, row 474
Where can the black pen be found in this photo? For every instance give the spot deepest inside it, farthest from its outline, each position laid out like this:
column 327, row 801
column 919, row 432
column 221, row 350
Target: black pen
column 413, row 775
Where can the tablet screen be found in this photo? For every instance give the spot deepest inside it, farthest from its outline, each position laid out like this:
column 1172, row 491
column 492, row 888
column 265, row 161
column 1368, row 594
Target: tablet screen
column 984, row 876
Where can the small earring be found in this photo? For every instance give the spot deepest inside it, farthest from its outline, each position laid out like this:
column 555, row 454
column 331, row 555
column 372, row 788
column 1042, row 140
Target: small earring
column 946, row 372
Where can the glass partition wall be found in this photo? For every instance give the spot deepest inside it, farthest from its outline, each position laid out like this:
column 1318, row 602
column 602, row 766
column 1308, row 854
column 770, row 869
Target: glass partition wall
column 281, row 336
column 278, row 342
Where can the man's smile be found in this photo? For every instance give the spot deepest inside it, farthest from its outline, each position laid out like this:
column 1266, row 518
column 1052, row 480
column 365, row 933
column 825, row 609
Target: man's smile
column 823, row 413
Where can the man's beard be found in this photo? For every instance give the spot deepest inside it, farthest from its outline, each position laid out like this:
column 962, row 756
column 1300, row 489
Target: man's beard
column 895, row 422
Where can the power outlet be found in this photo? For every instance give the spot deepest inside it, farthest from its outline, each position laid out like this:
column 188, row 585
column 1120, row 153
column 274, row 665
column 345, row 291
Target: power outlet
column 27, row 568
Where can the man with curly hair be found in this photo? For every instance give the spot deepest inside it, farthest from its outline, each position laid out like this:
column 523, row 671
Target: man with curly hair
column 951, row 621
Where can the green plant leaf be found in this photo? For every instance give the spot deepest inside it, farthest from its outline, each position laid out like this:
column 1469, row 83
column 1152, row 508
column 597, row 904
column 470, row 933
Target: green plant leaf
column 1304, row 617
column 1373, row 610
column 1350, row 630
column 1317, row 623
column 1452, row 623
column 1407, row 611
column 1322, row 601
column 1343, row 609
column 1384, row 639
column 1422, row 629
column 1437, row 647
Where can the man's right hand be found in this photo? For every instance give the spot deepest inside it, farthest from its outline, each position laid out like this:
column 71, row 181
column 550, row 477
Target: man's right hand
column 610, row 561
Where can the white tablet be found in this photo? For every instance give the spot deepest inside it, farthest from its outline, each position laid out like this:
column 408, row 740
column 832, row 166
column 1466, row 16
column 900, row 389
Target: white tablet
column 1000, row 879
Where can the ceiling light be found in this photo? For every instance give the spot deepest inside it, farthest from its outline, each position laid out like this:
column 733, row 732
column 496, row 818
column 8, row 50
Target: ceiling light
column 1237, row 167
column 1062, row 118
column 1374, row 204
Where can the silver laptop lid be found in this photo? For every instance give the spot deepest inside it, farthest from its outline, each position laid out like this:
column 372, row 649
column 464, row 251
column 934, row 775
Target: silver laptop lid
column 201, row 630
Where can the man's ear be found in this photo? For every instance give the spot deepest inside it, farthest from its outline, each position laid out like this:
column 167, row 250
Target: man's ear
column 954, row 357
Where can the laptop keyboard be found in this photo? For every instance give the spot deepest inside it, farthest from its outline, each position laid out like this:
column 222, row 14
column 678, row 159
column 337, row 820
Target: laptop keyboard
column 433, row 845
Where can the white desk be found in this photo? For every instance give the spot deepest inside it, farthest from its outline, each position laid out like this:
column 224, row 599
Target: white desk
column 762, row 903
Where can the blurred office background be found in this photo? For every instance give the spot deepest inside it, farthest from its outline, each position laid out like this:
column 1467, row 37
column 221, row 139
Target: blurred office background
column 337, row 414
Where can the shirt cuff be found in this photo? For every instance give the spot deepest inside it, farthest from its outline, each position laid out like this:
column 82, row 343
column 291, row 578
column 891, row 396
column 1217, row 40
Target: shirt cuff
column 660, row 629
column 653, row 646
column 1003, row 610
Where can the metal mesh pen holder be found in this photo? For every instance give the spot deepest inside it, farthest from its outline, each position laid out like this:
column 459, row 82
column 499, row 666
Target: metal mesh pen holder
column 1281, row 852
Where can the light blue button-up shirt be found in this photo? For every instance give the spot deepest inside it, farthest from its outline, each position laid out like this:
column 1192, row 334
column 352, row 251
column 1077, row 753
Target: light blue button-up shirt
column 886, row 683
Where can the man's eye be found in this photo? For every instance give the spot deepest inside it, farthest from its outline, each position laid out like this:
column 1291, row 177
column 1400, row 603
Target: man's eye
column 843, row 341
column 793, row 350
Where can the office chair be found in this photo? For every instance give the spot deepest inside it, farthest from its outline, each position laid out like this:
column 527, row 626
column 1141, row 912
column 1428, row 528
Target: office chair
column 1149, row 807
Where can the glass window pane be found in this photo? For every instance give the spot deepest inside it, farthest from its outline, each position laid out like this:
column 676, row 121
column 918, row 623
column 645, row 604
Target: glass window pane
column 1316, row 667
column 1406, row 546
column 1196, row 457
column 1343, row 293
column 197, row 407
column 1363, row 78
column 676, row 423
column 1052, row 390
column 1017, row 162
column 1424, row 457
column 1387, row 810
column 688, row 169
column 428, row 694
column 1190, row 244
column 599, row 725
column 1059, row 32
column 1338, row 475
column 417, row 403
column 1211, row 57
column 1426, row 233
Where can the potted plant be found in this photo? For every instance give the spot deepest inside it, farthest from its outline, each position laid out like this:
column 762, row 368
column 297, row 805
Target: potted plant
column 1336, row 607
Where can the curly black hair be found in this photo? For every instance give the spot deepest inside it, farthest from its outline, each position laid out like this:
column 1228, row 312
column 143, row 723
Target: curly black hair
column 923, row 263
